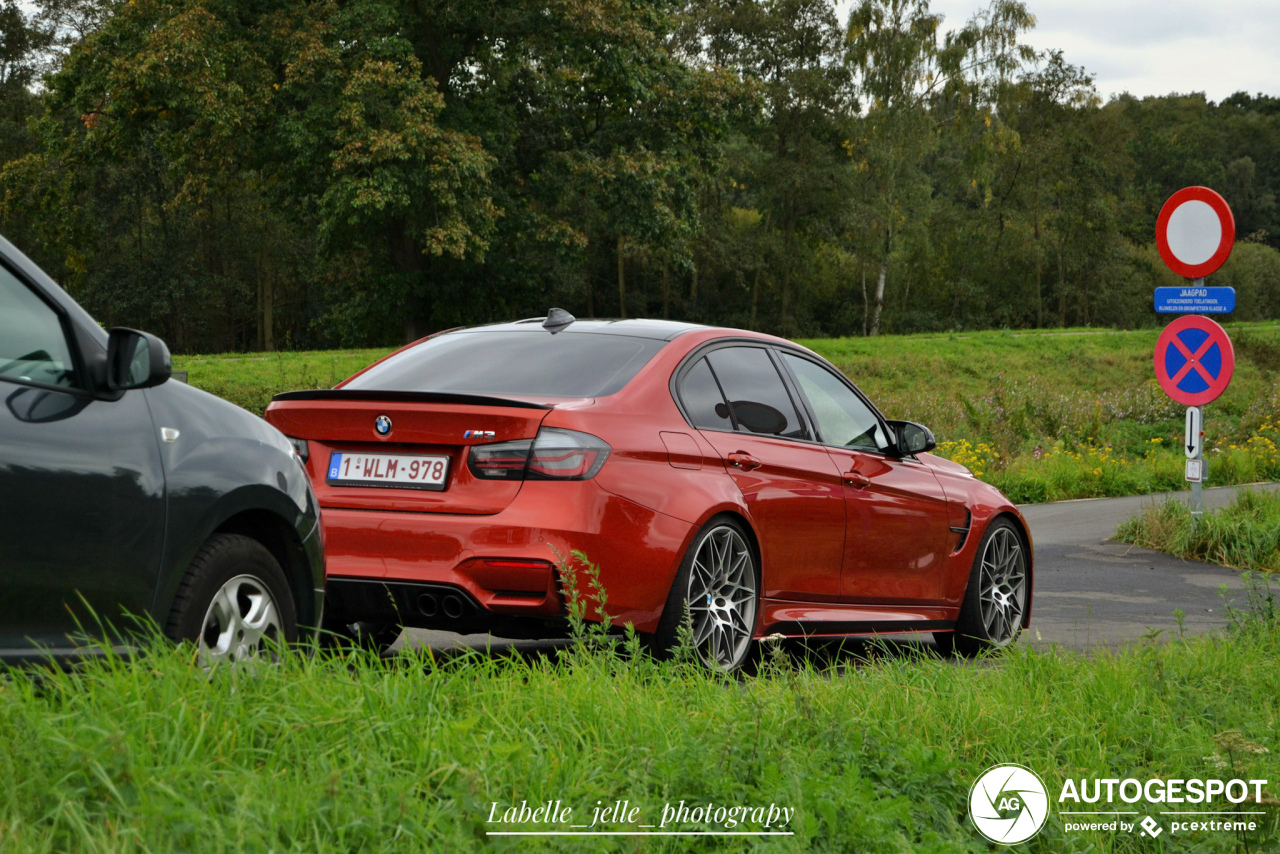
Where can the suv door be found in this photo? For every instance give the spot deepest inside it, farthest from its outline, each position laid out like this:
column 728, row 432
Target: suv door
column 735, row 396
column 897, row 537
column 81, row 489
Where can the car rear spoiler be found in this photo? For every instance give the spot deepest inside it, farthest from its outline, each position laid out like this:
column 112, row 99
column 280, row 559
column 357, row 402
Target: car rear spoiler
column 406, row 397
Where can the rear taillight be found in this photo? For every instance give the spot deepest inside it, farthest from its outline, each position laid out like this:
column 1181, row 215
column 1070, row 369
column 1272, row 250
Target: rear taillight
column 554, row 455
column 500, row 461
column 566, row 455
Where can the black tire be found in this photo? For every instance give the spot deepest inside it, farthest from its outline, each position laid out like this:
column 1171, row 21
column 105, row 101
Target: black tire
column 995, row 599
column 718, row 625
column 256, row 610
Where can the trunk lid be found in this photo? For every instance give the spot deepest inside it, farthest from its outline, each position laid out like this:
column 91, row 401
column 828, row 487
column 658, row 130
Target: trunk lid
column 421, row 423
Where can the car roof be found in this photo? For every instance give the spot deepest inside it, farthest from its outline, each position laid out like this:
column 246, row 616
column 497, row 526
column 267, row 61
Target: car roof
column 660, row 330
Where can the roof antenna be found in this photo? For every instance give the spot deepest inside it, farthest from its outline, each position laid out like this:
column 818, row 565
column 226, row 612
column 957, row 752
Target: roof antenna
column 557, row 320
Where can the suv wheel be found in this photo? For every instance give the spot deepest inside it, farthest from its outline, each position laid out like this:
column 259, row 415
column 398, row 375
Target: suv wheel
column 234, row 602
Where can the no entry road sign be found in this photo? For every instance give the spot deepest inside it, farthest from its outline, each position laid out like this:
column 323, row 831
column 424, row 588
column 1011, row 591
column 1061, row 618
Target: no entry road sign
column 1195, row 300
column 1195, row 232
column 1194, row 360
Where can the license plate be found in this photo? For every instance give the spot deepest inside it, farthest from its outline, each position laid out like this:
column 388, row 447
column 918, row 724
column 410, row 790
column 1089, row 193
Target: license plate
column 409, row 471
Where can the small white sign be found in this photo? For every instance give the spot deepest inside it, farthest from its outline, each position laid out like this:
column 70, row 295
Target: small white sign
column 1195, row 471
column 1193, row 437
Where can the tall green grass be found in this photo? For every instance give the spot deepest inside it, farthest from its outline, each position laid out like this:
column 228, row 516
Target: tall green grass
column 1245, row 534
column 357, row 753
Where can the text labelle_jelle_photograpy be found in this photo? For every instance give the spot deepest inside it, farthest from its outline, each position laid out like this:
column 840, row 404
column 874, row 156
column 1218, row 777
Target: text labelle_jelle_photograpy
column 622, row 817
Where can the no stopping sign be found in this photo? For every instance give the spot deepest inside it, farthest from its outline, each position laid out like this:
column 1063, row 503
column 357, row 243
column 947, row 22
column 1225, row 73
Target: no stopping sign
column 1194, row 360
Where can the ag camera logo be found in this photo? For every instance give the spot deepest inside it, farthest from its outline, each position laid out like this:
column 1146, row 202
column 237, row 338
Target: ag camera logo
column 1008, row 804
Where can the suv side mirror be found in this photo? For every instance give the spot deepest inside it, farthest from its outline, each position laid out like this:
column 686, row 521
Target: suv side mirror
column 136, row 360
column 913, row 438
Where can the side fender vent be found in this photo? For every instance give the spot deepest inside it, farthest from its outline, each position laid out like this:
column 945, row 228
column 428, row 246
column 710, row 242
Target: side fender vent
column 963, row 531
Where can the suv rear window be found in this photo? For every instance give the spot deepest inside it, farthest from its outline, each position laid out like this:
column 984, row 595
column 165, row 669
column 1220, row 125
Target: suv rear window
column 571, row 364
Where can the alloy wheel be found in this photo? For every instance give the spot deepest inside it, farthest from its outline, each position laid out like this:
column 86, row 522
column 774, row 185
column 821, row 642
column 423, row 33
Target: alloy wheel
column 1003, row 586
column 722, row 598
column 241, row 620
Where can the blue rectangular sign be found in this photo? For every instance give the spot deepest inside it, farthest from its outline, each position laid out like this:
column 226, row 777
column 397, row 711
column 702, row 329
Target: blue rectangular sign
column 1195, row 300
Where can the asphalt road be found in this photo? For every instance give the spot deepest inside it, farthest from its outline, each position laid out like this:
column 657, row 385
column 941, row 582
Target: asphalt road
column 1089, row 591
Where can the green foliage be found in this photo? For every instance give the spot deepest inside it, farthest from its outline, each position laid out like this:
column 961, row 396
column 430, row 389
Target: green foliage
column 357, row 753
column 585, row 601
column 21, row 42
column 1245, row 534
column 290, row 174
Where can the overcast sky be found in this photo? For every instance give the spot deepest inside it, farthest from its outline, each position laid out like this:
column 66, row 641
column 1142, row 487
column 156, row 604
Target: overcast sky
column 1154, row 48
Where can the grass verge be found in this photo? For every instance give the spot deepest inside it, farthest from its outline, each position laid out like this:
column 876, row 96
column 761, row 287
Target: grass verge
column 415, row 754
column 1245, row 534
column 1044, row 416
column 251, row 379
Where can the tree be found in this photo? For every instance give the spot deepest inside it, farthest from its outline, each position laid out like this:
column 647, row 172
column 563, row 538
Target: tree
column 22, row 42
column 914, row 83
column 784, row 183
column 241, row 175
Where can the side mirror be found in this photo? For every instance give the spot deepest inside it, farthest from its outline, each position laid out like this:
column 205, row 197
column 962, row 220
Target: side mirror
column 136, row 360
column 913, row 438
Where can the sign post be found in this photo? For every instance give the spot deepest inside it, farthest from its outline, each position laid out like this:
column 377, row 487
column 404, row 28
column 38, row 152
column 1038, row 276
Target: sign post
column 1194, row 444
column 1194, row 359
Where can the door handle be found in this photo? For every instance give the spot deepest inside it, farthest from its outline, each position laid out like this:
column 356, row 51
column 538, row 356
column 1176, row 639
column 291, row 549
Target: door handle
column 857, row 480
column 743, row 460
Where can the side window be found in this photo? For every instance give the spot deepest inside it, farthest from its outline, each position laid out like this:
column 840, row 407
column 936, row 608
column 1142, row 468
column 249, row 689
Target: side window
column 702, row 399
column 843, row 419
column 755, row 391
column 33, row 345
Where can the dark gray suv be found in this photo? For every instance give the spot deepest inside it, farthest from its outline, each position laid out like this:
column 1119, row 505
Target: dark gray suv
column 124, row 494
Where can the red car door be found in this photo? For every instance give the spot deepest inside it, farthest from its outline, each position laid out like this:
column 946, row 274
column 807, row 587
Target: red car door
column 897, row 536
column 792, row 488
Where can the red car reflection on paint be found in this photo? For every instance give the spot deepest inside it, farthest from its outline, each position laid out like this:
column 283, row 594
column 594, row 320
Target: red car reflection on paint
column 734, row 473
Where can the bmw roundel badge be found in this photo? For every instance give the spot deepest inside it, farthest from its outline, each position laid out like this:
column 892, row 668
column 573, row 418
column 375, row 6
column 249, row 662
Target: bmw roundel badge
column 382, row 425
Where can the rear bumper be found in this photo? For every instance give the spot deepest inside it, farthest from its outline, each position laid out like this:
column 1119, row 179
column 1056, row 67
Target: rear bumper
column 502, row 566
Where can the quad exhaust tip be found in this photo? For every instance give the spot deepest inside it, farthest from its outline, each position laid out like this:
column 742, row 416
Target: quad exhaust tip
column 452, row 606
column 432, row 605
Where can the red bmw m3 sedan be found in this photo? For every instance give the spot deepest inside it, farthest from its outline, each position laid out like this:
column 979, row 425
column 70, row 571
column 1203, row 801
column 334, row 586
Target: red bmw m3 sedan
column 730, row 473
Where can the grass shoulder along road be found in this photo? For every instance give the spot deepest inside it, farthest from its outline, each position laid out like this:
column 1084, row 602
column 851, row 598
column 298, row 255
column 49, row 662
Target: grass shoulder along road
column 1043, row 415
column 1244, row 535
column 417, row 753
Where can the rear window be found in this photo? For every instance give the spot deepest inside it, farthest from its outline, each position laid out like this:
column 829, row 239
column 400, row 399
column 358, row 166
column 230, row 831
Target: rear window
column 570, row 364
